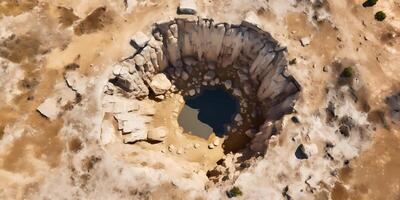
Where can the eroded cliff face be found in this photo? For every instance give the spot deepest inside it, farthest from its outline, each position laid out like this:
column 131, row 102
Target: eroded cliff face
column 92, row 92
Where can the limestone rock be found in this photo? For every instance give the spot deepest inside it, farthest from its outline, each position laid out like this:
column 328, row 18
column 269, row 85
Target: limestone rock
column 187, row 7
column 157, row 134
column 107, row 132
column 117, row 104
column 160, row 84
column 171, row 148
column 216, row 142
column 179, row 151
column 238, row 118
column 305, row 41
column 228, row 84
column 49, row 108
column 139, row 40
column 129, row 80
column 134, row 137
column 252, row 18
column 185, row 76
column 192, row 92
column 76, row 81
column 209, row 75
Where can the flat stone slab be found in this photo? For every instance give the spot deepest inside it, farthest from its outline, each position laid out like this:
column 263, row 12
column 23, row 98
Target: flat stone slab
column 49, row 108
column 187, row 7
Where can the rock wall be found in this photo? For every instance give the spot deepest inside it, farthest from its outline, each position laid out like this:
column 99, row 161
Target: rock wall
column 181, row 42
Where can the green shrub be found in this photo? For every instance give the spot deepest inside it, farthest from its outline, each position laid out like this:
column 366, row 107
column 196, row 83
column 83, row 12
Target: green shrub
column 369, row 3
column 380, row 16
column 347, row 72
column 234, row 192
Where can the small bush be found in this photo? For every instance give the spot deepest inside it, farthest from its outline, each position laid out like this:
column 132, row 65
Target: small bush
column 293, row 61
column 234, row 192
column 347, row 72
column 369, row 3
column 380, row 16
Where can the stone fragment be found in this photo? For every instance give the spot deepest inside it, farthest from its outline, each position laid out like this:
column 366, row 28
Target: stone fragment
column 196, row 145
column 311, row 149
column 238, row 118
column 49, row 108
column 237, row 92
column 160, row 84
column 160, row 97
column 216, row 142
column 211, row 146
column 252, row 18
column 187, row 7
column 185, row 76
column 119, row 104
column 192, row 92
column 228, row 84
column 139, row 60
column 171, row 148
column 131, row 81
column 305, row 41
column 117, row 68
column 211, row 66
column 139, row 40
column 179, row 151
column 189, row 62
column 135, row 136
column 158, row 134
column 76, row 81
column 209, row 75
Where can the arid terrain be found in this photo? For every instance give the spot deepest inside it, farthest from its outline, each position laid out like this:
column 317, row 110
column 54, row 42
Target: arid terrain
column 91, row 92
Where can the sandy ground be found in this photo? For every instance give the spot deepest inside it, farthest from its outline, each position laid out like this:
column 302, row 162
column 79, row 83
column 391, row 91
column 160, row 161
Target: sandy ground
column 49, row 36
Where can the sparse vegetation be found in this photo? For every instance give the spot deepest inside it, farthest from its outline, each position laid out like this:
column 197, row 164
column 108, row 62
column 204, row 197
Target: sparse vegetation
column 293, row 61
column 369, row 3
column 234, row 192
column 348, row 72
column 380, row 16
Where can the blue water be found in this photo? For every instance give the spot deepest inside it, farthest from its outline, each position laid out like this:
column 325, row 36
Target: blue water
column 215, row 107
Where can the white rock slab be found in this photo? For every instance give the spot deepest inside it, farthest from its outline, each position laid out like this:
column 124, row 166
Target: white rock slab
column 49, row 108
column 187, row 7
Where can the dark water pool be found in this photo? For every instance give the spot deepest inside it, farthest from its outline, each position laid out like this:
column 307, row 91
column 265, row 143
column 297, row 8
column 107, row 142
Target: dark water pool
column 208, row 112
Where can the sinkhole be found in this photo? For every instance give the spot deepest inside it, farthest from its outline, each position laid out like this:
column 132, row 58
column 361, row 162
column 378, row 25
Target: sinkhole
column 233, row 78
column 209, row 112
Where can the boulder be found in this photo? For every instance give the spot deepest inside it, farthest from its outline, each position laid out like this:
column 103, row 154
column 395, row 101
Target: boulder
column 210, row 75
column 157, row 134
column 192, row 92
column 187, row 7
column 76, row 81
column 305, row 41
column 171, row 148
column 139, row 40
column 160, row 84
column 216, row 142
column 228, row 84
column 135, row 136
column 49, row 108
column 185, row 76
